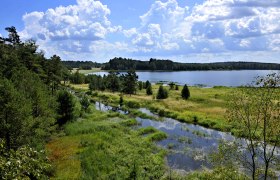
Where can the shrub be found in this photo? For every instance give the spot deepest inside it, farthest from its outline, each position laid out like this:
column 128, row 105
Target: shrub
column 132, row 104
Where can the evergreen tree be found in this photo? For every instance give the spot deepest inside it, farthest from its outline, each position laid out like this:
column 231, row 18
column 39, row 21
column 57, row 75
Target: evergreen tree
column 66, row 106
column 113, row 82
column 54, row 72
column 185, row 92
column 85, row 103
column 15, row 113
column 149, row 90
column 162, row 93
column 147, row 83
column 140, row 85
column 130, row 82
column 176, row 87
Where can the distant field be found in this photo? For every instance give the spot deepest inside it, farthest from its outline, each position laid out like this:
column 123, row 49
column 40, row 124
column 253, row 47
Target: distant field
column 86, row 71
column 206, row 106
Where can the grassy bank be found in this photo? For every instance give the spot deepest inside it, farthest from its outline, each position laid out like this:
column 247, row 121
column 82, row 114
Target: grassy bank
column 87, row 71
column 104, row 146
column 206, row 106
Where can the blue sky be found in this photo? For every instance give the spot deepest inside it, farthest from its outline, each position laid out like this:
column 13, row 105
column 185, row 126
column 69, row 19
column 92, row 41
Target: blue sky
column 180, row 30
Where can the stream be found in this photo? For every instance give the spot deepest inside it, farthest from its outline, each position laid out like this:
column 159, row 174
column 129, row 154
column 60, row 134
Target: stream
column 188, row 145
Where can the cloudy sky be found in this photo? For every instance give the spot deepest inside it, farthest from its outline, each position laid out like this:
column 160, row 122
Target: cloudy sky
column 180, row 30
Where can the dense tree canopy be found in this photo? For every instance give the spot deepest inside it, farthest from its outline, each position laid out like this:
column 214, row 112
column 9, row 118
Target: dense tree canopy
column 28, row 88
column 168, row 65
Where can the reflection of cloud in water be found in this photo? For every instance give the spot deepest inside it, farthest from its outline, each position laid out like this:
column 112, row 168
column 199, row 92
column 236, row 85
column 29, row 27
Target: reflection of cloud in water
column 167, row 124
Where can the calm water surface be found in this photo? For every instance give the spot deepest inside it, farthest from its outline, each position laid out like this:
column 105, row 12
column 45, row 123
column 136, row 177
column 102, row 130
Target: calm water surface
column 188, row 145
column 206, row 78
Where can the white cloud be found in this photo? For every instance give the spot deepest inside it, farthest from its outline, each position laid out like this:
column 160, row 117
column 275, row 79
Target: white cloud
column 86, row 20
column 130, row 32
column 214, row 26
column 166, row 29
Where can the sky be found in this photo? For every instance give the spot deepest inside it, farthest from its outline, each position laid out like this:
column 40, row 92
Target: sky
column 179, row 30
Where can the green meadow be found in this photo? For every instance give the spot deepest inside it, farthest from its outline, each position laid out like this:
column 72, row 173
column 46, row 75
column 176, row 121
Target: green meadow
column 105, row 146
column 206, row 106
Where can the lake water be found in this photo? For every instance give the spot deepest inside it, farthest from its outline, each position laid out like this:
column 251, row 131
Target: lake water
column 205, row 78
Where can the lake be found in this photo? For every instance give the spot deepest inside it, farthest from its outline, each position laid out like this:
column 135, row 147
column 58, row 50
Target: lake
column 205, row 78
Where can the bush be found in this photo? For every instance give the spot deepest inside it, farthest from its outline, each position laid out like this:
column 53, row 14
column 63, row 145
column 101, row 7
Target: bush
column 24, row 163
column 161, row 112
column 132, row 104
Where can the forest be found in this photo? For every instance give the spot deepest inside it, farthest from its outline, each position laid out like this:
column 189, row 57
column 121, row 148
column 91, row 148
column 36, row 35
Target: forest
column 168, row 65
column 84, row 65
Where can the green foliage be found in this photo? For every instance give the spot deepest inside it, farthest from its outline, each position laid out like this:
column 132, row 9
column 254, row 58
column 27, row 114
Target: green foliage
column 140, row 85
column 121, row 100
column 185, row 92
column 158, row 136
column 23, row 163
column 66, row 106
column 147, row 84
column 113, row 81
column 221, row 173
column 172, row 85
column 147, row 130
column 77, row 78
column 15, row 111
column 129, row 122
column 110, row 149
column 129, row 82
column 162, row 93
column 168, row 65
column 96, row 83
column 132, row 104
column 149, row 90
column 255, row 110
column 85, row 103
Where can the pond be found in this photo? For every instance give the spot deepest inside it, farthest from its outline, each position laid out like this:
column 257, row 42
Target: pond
column 203, row 78
column 188, row 145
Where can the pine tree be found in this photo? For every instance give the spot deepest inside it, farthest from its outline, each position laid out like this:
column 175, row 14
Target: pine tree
column 65, row 107
column 149, row 90
column 85, row 103
column 113, row 82
column 185, row 92
column 140, row 85
column 147, row 83
column 15, row 112
column 130, row 82
column 162, row 93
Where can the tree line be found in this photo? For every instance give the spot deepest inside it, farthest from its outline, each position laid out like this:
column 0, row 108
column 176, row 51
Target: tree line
column 168, row 65
column 85, row 65
column 126, row 83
